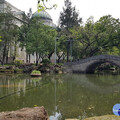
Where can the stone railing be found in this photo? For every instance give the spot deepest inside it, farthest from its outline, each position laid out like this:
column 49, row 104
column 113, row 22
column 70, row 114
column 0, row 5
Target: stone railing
column 99, row 57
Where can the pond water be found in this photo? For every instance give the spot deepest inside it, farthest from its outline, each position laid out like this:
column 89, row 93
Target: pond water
column 64, row 96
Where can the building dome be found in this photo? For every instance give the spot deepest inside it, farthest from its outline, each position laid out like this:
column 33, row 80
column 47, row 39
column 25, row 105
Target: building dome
column 42, row 14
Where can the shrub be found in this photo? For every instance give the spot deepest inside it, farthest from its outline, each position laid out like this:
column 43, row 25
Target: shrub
column 18, row 70
column 18, row 62
column 46, row 61
column 36, row 72
column 61, row 64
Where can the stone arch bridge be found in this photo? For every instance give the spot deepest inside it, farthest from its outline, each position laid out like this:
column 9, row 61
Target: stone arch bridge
column 88, row 65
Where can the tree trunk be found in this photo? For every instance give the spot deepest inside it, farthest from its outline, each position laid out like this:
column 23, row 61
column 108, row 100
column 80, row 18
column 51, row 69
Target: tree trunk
column 15, row 50
column 36, row 59
column 7, row 57
column 26, row 58
column 29, row 58
column 59, row 57
column 8, row 48
column 49, row 55
column 4, row 54
column 64, row 57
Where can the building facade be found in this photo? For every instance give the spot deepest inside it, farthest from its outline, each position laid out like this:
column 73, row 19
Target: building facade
column 19, row 21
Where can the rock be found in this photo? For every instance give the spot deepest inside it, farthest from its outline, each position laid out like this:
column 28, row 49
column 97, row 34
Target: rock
column 57, row 69
column 36, row 113
column 27, row 68
column 48, row 70
column 105, row 117
column 6, row 71
column 44, row 69
column 60, row 72
column 18, row 70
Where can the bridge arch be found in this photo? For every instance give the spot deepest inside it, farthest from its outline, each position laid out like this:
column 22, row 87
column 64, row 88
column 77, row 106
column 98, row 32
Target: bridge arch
column 88, row 65
column 92, row 66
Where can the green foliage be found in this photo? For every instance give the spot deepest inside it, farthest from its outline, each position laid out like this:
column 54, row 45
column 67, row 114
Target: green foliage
column 101, row 37
column 114, row 51
column 18, row 62
column 69, row 18
column 38, row 38
column 18, row 70
column 0, row 38
column 42, row 5
column 36, row 72
column 46, row 61
column 61, row 64
column 9, row 33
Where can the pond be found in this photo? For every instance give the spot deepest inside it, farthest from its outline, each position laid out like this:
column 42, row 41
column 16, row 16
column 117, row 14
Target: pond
column 63, row 96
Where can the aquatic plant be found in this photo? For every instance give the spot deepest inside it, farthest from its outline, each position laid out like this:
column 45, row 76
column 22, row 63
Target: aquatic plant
column 36, row 72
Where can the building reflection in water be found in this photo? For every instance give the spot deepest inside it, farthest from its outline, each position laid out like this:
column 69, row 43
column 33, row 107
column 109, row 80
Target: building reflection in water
column 16, row 85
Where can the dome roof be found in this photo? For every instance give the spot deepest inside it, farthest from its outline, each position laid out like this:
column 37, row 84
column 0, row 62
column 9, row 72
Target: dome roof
column 42, row 14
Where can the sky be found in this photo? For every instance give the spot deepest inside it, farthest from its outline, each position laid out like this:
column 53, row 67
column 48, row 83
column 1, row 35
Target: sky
column 86, row 8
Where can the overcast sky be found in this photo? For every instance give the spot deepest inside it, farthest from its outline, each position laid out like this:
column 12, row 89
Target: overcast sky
column 87, row 8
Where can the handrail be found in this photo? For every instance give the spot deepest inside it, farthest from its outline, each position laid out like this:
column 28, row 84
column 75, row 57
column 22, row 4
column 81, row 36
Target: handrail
column 99, row 57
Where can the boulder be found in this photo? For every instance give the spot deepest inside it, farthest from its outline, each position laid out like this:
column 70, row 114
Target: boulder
column 36, row 113
column 44, row 68
column 28, row 67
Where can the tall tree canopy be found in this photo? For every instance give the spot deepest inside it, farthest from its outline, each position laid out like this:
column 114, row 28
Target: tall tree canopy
column 69, row 18
column 101, row 37
column 38, row 38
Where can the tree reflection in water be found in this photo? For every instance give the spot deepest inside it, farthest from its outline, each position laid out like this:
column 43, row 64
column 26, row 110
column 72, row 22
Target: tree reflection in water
column 63, row 96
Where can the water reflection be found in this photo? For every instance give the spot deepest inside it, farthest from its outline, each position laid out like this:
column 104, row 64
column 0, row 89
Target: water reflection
column 64, row 96
column 96, row 83
column 57, row 116
column 10, row 85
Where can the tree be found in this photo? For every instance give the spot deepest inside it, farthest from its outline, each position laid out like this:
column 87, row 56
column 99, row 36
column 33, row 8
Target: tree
column 7, row 29
column 38, row 39
column 85, row 36
column 61, row 47
column 101, row 37
column 68, row 19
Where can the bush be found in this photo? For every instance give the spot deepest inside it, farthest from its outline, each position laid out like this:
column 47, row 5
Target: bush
column 36, row 72
column 18, row 62
column 18, row 70
column 61, row 64
column 46, row 61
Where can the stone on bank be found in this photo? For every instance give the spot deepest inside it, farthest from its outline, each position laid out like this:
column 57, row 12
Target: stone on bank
column 36, row 113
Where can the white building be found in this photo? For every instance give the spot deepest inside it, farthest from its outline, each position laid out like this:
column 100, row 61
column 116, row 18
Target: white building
column 18, row 14
column 18, row 20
